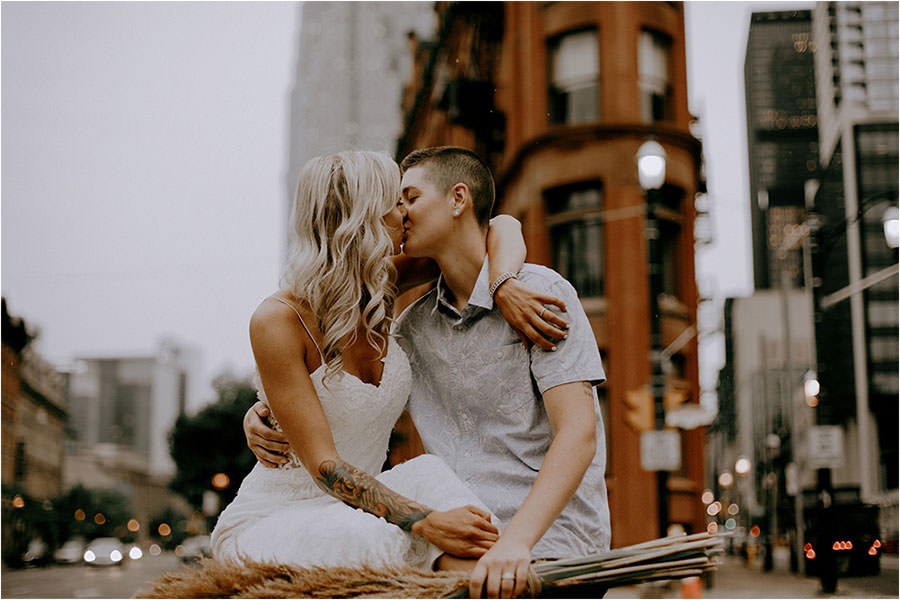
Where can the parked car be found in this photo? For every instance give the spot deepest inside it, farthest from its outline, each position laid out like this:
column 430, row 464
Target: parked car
column 72, row 551
column 107, row 551
column 194, row 548
column 842, row 541
column 37, row 553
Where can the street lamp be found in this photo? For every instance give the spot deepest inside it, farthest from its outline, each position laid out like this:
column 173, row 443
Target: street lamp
column 651, row 166
column 651, row 160
column 891, row 222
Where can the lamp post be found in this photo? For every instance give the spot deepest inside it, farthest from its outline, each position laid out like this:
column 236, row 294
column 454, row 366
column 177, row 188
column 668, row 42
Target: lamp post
column 651, row 163
column 891, row 222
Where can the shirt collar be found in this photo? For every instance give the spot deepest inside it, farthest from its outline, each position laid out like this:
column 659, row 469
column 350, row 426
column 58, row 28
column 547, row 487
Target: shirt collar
column 480, row 297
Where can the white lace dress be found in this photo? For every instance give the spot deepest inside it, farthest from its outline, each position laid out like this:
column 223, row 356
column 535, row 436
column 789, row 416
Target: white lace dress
column 281, row 515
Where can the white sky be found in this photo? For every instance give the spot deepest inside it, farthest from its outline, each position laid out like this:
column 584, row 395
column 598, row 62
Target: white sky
column 143, row 156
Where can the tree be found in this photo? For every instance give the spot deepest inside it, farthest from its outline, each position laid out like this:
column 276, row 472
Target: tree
column 78, row 512
column 212, row 442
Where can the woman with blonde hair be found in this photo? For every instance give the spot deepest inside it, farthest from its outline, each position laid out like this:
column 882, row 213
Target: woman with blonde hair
column 335, row 382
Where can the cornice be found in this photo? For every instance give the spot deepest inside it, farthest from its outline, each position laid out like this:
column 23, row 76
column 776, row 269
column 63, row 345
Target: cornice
column 579, row 135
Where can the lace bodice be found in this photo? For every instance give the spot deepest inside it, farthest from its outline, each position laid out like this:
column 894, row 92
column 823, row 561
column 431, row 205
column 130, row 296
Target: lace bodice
column 361, row 415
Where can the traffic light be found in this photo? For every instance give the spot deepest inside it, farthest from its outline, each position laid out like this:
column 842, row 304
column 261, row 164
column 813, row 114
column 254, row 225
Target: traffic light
column 641, row 415
column 674, row 398
column 640, row 409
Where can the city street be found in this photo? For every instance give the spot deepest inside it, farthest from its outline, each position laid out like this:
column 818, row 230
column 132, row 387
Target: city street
column 733, row 580
column 77, row 581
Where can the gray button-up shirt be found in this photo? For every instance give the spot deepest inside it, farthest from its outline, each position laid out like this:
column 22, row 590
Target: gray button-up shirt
column 476, row 402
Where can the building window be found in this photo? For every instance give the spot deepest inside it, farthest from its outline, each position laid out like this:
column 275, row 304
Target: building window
column 575, row 221
column 20, row 461
column 655, row 76
column 574, row 75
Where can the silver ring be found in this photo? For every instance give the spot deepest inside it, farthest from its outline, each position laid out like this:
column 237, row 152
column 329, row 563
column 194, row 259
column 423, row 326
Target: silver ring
column 508, row 576
column 541, row 314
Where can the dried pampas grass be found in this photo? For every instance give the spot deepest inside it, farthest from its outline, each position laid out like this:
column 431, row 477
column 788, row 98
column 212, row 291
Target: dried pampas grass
column 665, row 558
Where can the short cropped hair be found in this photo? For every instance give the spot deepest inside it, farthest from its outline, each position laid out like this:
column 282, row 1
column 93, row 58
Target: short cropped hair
column 449, row 165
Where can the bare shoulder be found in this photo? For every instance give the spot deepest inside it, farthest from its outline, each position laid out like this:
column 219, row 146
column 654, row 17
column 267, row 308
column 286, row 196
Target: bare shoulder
column 274, row 322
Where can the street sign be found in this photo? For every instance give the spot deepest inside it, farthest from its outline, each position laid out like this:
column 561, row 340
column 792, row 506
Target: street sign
column 661, row 450
column 688, row 416
column 826, row 446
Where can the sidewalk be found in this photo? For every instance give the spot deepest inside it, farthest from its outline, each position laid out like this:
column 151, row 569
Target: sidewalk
column 734, row 579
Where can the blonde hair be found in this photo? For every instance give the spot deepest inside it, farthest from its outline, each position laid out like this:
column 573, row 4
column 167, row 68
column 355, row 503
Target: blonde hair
column 340, row 258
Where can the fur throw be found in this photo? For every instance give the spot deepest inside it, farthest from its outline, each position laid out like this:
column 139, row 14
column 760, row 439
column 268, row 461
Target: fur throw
column 215, row 579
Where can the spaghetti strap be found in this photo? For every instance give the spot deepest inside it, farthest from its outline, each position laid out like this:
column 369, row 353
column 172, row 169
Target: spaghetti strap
column 308, row 332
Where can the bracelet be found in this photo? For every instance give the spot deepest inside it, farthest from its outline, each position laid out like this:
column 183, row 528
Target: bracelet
column 499, row 281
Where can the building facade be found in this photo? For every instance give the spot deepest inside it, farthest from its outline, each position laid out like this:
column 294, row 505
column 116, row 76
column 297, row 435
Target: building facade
column 782, row 135
column 557, row 97
column 122, row 409
column 129, row 403
column 763, row 415
column 34, row 416
column 856, row 270
column 821, row 182
column 352, row 62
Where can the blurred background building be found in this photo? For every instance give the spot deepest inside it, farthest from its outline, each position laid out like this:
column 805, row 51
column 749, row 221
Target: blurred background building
column 34, row 415
column 821, row 90
column 558, row 97
column 122, row 409
column 352, row 62
column 854, row 196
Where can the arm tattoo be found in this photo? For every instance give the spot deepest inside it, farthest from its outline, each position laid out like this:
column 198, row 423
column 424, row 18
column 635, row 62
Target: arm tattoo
column 360, row 490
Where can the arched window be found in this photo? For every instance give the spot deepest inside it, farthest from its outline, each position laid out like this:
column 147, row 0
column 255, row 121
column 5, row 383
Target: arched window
column 574, row 75
column 575, row 220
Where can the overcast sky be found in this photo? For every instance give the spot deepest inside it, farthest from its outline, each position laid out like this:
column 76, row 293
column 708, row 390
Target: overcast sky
column 143, row 157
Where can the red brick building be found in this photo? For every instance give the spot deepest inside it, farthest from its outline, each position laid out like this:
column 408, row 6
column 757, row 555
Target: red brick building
column 558, row 96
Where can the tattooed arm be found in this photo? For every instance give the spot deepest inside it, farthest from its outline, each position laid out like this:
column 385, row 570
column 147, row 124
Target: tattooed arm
column 570, row 408
column 282, row 350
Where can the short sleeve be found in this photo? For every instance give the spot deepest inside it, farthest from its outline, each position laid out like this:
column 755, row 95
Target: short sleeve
column 576, row 358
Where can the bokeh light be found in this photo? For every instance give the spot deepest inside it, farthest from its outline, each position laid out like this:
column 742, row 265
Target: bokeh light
column 99, row 519
column 133, row 525
column 79, row 515
column 220, row 481
column 164, row 529
column 712, row 528
column 18, row 502
column 707, row 497
column 155, row 550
